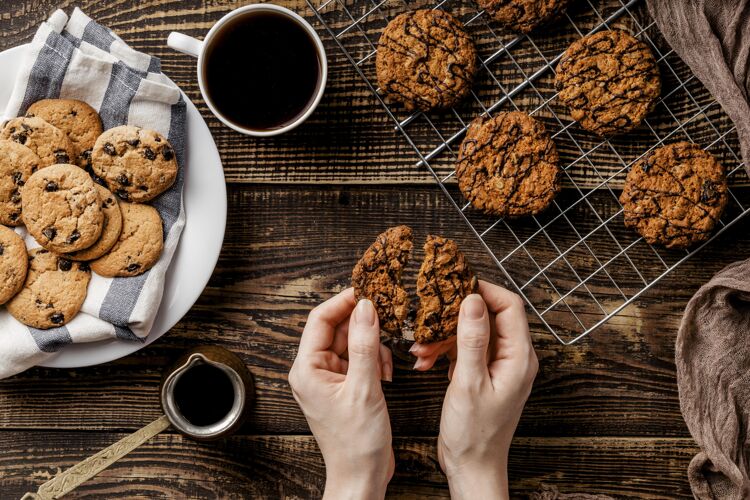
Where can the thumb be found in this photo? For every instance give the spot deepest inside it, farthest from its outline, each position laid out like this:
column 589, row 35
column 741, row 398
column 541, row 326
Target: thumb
column 364, row 344
column 473, row 339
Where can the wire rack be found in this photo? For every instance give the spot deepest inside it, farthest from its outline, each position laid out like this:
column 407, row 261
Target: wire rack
column 576, row 265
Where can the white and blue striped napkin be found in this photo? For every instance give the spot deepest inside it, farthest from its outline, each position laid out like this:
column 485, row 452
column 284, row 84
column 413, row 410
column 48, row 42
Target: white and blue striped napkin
column 79, row 59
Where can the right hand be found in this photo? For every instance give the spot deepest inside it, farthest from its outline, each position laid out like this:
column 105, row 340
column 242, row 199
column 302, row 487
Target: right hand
column 494, row 366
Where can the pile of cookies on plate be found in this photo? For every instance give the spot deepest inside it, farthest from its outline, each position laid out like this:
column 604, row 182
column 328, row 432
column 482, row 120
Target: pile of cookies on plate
column 508, row 164
column 81, row 192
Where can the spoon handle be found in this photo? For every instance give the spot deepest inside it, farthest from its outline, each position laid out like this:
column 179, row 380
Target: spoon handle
column 67, row 481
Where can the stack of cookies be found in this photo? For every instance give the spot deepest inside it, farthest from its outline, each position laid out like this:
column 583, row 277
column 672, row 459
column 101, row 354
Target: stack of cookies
column 81, row 193
column 508, row 163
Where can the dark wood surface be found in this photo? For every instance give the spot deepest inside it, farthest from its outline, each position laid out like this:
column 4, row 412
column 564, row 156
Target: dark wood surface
column 604, row 413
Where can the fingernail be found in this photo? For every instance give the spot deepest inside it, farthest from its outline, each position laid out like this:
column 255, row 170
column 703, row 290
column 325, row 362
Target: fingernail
column 365, row 314
column 413, row 347
column 388, row 372
column 417, row 364
column 473, row 307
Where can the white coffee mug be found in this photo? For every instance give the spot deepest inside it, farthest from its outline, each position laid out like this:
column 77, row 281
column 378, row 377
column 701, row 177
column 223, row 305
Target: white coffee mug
column 197, row 48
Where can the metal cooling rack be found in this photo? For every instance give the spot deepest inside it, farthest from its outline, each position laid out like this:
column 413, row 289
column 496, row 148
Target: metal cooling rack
column 576, row 265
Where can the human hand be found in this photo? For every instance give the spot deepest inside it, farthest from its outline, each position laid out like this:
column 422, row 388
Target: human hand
column 336, row 381
column 493, row 366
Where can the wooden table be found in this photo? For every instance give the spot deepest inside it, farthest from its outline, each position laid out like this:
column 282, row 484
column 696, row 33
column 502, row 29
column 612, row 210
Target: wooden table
column 604, row 413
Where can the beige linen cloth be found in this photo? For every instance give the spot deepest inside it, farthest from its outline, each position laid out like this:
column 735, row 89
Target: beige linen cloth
column 713, row 344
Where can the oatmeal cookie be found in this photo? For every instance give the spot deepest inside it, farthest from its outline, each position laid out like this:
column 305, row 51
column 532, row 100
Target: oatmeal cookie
column 523, row 15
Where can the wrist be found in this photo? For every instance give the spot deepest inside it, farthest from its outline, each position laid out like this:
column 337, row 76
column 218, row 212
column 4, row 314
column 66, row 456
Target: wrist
column 361, row 486
column 479, row 482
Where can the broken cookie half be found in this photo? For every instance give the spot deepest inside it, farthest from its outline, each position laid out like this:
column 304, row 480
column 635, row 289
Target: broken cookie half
column 444, row 280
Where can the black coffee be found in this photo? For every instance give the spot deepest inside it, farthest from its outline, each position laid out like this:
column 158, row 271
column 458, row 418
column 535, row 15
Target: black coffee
column 204, row 394
column 261, row 70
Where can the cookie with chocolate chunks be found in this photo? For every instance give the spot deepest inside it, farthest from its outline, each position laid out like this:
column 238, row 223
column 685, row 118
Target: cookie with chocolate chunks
column 675, row 195
column 609, row 81
column 53, row 293
column 137, row 164
column 377, row 277
column 523, row 15
column 13, row 263
column 426, row 60
column 48, row 142
column 508, row 165
column 17, row 163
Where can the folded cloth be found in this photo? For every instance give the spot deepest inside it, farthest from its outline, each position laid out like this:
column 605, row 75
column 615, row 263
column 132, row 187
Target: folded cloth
column 713, row 344
column 79, row 59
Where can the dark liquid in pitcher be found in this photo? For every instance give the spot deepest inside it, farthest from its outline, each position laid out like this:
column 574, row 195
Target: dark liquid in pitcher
column 204, row 394
column 261, row 70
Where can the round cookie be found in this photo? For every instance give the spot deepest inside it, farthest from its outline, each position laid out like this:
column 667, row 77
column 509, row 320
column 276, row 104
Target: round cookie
column 53, row 293
column 62, row 209
column 49, row 143
column 137, row 164
column 609, row 81
column 77, row 119
column 507, row 165
column 139, row 245
column 675, row 195
column 110, row 230
column 426, row 60
column 13, row 263
column 522, row 15
column 17, row 163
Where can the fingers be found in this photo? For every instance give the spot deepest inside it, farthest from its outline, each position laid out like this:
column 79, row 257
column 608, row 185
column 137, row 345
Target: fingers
column 319, row 331
column 427, row 354
column 511, row 323
column 364, row 345
column 473, row 339
column 386, row 364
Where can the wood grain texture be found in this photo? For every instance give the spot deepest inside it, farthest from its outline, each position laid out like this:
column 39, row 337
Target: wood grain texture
column 350, row 139
column 170, row 466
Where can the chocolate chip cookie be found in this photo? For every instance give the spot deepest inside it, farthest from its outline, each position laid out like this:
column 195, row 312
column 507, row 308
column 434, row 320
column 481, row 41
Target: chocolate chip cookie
column 377, row 277
column 139, row 246
column 53, row 293
column 110, row 229
column 13, row 263
column 675, row 195
column 426, row 60
column 507, row 165
column 443, row 281
column 609, row 81
column 50, row 144
column 62, row 209
column 17, row 163
column 137, row 164
column 523, row 15
column 77, row 119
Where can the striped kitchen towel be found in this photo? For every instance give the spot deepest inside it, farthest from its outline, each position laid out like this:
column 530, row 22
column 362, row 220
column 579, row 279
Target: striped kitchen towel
column 79, row 59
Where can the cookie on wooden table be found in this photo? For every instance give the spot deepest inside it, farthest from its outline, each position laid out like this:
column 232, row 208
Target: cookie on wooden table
column 111, row 228
column 77, row 119
column 139, row 246
column 54, row 291
column 443, row 281
column 426, row 60
column 50, row 144
column 507, row 165
column 14, row 263
column 609, row 81
column 17, row 163
column 62, row 209
column 523, row 15
column 675, row 195
column 377, row 277
column 137, row 164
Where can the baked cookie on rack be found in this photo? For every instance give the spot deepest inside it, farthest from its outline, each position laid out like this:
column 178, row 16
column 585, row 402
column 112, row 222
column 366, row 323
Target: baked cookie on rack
column 377, row 277
column 426, row 60
column 609, row 81
column 77, row 119
column 53, row 293
column 523, row 15
column 508, row 165
column 443, row 281
column 13, row 263
column 675, row 195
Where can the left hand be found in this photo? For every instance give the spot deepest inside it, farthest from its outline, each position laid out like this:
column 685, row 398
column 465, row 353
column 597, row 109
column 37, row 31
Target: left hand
column 336, row 381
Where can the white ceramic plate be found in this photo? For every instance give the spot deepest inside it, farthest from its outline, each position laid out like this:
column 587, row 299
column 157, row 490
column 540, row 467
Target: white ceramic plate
column 205, row 198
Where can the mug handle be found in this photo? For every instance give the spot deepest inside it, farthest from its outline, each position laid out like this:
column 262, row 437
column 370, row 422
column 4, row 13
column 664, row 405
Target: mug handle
column 185, row 44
